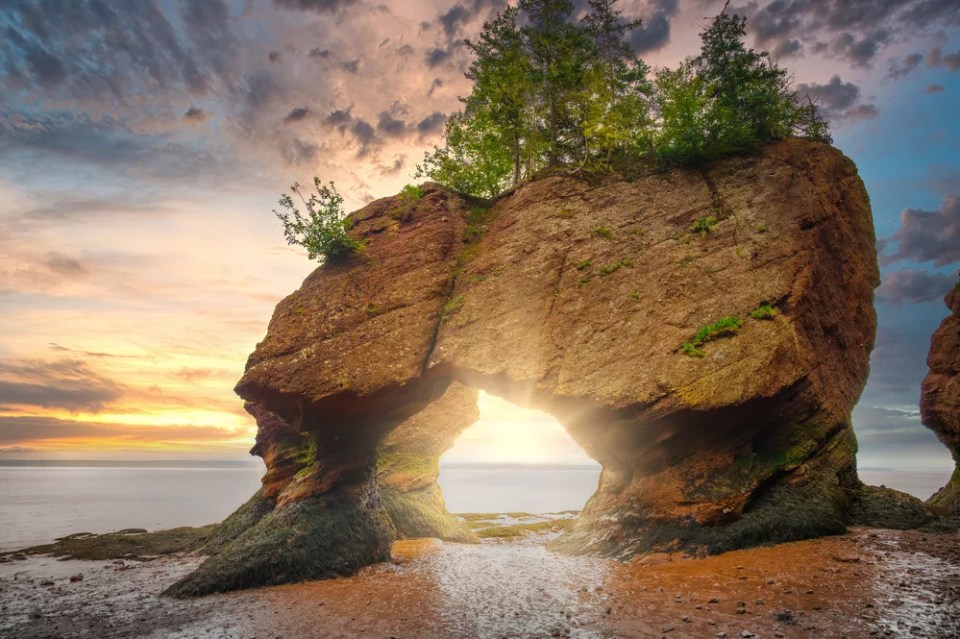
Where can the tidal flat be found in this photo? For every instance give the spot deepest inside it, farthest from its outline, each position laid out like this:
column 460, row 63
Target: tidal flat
column 866, row 583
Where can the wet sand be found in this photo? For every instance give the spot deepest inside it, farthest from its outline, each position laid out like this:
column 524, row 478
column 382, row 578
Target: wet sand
column 868, row 583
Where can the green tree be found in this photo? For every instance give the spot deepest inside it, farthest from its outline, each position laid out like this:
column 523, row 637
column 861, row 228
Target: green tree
column 322, row 230
column 559, row 50
column 617, row 93
column 502, row 91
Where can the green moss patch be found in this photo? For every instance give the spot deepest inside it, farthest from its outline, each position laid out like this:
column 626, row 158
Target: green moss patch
column 723, row 327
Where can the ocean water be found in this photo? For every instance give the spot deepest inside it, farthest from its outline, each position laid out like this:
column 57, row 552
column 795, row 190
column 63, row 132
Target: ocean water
column 529, row 489
column 40, row 501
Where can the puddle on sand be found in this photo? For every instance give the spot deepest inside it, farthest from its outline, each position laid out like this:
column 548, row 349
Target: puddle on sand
column 517, row 590
column 920, row 593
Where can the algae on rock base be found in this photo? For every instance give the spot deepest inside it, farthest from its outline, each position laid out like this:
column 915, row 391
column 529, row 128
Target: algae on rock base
column 332, row 535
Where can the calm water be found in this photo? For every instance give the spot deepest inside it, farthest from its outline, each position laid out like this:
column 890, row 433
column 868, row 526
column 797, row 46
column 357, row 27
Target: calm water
column 39, row 503
column 528, row 490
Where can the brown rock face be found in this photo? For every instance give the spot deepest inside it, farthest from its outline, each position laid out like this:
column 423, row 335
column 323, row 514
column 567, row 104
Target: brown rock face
column 578, row 299
column 940, row 398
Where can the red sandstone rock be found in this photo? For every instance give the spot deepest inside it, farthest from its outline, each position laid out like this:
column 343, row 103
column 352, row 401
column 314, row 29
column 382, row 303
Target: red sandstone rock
column 576, row 298
column 940, row 398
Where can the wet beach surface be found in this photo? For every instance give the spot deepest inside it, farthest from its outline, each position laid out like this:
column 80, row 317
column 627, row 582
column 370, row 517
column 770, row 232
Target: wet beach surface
column 868, row 583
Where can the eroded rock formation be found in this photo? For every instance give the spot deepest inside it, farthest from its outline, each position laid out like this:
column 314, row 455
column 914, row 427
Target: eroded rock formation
column 575, row 298
column 940, row 398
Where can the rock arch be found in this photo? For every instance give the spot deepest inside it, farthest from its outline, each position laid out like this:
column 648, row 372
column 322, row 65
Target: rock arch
column 575, row 298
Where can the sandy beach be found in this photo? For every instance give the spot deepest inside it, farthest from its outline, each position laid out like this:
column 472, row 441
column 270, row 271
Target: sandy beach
column 867, row 583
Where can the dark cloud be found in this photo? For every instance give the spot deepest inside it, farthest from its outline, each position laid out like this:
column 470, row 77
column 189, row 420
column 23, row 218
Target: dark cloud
column 24, row 429
column 899, row 69
column 339, row 118
column 320, row 54
column 431, row 124
column 654, row 32
column 106, row 142
column 852, row 30
column 66, row 384
column 298, row 114
column 838, row 100
column 934, row 88
column 936, row 58
column 275, row 57
column 64, row 265
column 318, row 6
column 351, row 66
column 436, row 84
column 452, row 20
column 915, row 286
column 88, row 50
column 436, row 56
column 298, row 151
column 928, row 236
column 391, row 126
column 195, row 114
column 365, row 135
column 787, row 49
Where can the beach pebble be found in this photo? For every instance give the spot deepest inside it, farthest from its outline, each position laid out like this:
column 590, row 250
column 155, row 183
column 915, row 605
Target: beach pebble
column 77, row 577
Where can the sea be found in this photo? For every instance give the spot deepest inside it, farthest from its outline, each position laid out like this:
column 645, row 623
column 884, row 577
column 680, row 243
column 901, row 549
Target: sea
column 41, row 500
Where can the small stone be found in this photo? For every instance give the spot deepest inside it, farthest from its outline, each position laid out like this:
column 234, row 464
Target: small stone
column 746, row 634
column 721, row 635
column 77, row 577
column 714, row 600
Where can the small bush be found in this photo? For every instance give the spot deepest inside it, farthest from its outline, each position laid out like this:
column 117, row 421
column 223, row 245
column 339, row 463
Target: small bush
column 411, row 192
column 704, row 225
column 635, row 295
column 607, row 269
column 583, row 264
column 585, row 279
column 406, row 202
column 604, row 232
column 764, row 312
column 723, row 327
column 322, row 231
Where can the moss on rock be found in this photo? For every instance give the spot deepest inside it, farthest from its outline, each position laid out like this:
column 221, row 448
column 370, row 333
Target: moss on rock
column 316, row 538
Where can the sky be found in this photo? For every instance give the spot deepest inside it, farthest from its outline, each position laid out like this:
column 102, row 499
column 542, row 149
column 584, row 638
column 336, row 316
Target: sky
column 144, row 144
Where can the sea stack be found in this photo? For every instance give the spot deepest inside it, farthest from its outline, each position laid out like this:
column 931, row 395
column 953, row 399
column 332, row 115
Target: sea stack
column 940, row 399
column 702, row 333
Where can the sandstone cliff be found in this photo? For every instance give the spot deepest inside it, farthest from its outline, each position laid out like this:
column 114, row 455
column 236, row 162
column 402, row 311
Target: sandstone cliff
column 940, row 398
column 703, row 334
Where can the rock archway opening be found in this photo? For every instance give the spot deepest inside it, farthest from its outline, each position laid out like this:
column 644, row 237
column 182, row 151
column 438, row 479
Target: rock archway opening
column 515, row 460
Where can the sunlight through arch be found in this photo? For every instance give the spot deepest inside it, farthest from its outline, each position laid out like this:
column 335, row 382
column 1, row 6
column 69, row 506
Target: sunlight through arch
column 515, row 459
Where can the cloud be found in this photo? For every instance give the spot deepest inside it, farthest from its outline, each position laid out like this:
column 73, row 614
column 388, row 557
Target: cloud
column 317, row 6
column 853, row 30
column 934, row 88
column 838, row 100
column 890, row 426
column 64, row 265
column 195, row 114
column 18, row 430
column 68, row 384
column 936, row 58
column 298, row 114
column 365, row 135
column 431, row 124
column 899, row 69
column 654, row 32
column 928, row 236
column 914, row 286
column 391, row 126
